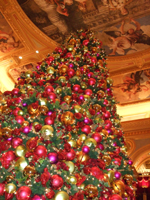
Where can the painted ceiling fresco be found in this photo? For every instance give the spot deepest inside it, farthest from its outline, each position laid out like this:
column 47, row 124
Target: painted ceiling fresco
column 8, row 40
column 122, row 25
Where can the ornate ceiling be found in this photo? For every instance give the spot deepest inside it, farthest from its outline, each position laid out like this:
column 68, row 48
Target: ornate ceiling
column 30, row 29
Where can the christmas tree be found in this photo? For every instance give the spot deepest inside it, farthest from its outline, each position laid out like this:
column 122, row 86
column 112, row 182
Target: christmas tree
column 60, row 135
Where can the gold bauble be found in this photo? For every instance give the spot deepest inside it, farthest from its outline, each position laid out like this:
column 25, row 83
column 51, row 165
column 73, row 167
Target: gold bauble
column 28, row 73
column 47, row 131
column 106, row 178
column 29, row 171
column 58, row 90
column 94, row 49
column 68, row 99
column 43, row 101
column 20, row 112
column 20, row 151
column 79, row 143
column 101, row 93
column 71, row 166
column 90, row 141
column 109, row 81
column 72, row 42
column 86, row 98
column 82, row 137
column 91, row 191
column 5, row 110
column 85, row 49
column 73, row 180
column 123, row 149
column 78, row 73
column 75, row 78
column 10, row 188
column 118, row 187
column 74, row 129
column 63, row 69
column 70, row 47
column 43, row 109
column 104, row 133
column 81, row 187
column 61, row 196
column 111, row 175
column 28, row 144
column 68, row 118
column 62, row 79
column 83, row 85
column 87, row 114
column 73, row 143
column 128, row 178
column 9, row 179
column 32, row 110
column 97, row 107
column 81, row 157
column 25, row 123
column 50, row 70
column 28, row 86
column 6, row 132
column 21, row 163
column 78, row 109
column 107, row 160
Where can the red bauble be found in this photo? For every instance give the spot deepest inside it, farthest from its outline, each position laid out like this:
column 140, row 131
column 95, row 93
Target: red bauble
column 88, row 92
column 8, row 196
column 15, row 111
column 41, row 151
column 16, row 142
column 91, row 81
column 23, row 193
column 19, row 119
column 8, row 156
column 56, row 182
column 37, row 197
column 115, row 197
column 76, row 88
column 49, row 89
column 85, row 42
column 70, row 155
column 52, row 96
column 15, row 91
column 97, row 137
column 71, row 73
column 86, row 129
column 107, row 114
column 49, row 120
column 2, row 187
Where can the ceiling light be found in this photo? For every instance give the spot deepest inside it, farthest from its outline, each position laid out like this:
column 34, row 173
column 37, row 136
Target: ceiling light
column 20, row 57
column 37, row 51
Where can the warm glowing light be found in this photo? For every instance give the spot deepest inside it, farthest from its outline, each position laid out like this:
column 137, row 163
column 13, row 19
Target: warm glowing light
column 20, row 57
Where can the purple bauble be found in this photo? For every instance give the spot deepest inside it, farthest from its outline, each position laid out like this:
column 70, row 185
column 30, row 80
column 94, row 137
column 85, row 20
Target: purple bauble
column 49, row 113
column 117, row 175
column 24, row 104
column 81, row 97
column 85, row 149
column 130, row 162
column 86, row 120
column 53, row 157
column 26, row 129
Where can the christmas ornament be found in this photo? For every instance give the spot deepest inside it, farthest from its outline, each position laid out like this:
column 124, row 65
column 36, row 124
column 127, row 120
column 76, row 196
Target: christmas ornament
column 10, row 188
column 53, row 157
column 29, row 171
column 118, row 187
column 70, row 165
column 61, row 196
column 20, row 151
column 67, row 118
column 23, row 193
column 91, row 191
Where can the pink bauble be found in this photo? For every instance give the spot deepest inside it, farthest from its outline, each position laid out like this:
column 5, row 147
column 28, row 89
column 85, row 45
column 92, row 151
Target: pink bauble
column 71, row 73
column 97, row 137
column 56, row 182
column 115, row 197
column 90, row 74
column 53, row 157
column 101, row 146
column 16, row 142
column 41, row 151
column 86, row 129
column 23, row 193
column 117, row 175
column 26, row 129
column 49, row 89
column 91, row 81
column 52, row 96
column 85, row 149
column 49, row 120
column 88, row 92
column 19, row 119
column 37, row 197
column 2, row 188
column 81, row 97
column 76, row 88
column 70, row 155
column 130, row 162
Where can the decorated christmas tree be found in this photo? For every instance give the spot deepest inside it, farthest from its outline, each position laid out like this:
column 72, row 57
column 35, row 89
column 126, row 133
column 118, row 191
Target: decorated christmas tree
column 60, row 135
